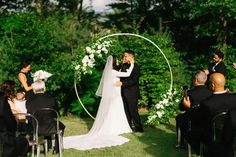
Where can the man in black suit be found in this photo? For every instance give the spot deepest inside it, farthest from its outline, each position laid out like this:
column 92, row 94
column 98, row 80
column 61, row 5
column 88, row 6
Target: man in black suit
column 130, row 92
column 220, row 101
column 39, row 101
column 10, row 145
column 218, row 65
column 190, row 103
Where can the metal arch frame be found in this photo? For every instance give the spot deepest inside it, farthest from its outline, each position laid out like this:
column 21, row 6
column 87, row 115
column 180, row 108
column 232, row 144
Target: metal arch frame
column 127, row 34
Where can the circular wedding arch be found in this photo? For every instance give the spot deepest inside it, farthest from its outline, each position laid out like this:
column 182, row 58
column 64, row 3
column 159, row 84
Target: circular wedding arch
column 134, row 35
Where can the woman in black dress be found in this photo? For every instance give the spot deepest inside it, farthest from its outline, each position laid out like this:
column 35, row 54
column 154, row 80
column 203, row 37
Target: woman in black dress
column 25, row 79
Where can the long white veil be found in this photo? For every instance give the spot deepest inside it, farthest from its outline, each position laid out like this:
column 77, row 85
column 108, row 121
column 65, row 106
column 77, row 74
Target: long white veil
column 105, row 90
column 106, row 83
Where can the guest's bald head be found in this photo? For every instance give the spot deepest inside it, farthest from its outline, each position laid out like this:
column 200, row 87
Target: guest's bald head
column 217, row 82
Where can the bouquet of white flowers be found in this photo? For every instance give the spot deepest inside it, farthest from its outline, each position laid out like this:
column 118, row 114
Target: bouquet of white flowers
column 41, row 75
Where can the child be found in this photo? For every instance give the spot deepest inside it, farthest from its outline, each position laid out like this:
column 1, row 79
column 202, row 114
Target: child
column 18, row 106
column 20, row 103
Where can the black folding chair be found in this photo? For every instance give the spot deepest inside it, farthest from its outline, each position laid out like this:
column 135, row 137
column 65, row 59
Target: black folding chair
column 221, row 142
column 218, row 124
column 49, row 125
column 27, row 126
column 193, row 132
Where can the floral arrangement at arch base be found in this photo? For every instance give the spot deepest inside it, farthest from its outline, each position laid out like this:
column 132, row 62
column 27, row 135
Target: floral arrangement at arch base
column 97, row 50
column 165, row 109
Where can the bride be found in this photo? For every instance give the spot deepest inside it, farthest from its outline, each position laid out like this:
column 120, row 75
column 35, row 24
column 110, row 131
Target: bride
column 110, row 120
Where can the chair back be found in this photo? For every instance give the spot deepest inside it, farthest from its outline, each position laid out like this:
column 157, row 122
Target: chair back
column 27, row 127
column 221, row 144
column 221, row 127
column 48, row 121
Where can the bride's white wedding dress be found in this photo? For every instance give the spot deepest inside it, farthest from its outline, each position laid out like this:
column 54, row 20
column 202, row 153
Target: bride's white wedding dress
column 110, row 120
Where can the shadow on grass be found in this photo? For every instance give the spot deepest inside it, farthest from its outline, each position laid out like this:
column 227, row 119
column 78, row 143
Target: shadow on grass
column 159, row 141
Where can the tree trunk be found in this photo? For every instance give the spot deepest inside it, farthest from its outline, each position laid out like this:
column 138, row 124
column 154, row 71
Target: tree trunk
column 38, row 6
column 80, row 9
column 131, row 6
column 160, row 24
column 223, row 35
column 224, row 44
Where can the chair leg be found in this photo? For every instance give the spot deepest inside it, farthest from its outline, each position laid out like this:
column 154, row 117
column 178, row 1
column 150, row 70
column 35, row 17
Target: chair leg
column 38, row 150
column 202, row 149
column 59, row 136
column 179, row 136
column 62, row 146
column 189, row 150
column 45, row 147
column 32, row 155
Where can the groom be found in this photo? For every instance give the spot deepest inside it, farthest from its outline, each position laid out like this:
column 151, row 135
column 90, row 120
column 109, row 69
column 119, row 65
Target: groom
column 130, row 91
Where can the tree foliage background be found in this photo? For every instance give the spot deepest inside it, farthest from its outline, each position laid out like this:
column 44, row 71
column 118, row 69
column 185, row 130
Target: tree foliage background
column 54, row 33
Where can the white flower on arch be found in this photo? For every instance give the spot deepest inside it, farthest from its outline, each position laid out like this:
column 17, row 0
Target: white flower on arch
column 95, row 51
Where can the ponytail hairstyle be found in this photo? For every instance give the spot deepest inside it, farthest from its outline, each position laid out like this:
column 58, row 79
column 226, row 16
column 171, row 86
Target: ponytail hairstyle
column 24, row 63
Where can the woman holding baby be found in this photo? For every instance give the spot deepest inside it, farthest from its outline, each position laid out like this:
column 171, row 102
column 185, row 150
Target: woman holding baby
column 15, row 100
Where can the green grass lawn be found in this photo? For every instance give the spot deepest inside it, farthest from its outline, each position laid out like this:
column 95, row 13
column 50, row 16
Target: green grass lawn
column 154, row 142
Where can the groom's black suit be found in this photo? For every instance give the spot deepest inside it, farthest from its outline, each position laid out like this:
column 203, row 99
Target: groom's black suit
column 130, row 95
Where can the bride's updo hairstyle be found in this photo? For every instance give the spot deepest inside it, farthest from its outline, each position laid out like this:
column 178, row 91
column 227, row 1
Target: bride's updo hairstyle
column 114, row 64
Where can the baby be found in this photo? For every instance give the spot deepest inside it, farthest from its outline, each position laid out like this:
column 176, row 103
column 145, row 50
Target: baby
column 19, row 106
column 20, row 102
column 20, row 96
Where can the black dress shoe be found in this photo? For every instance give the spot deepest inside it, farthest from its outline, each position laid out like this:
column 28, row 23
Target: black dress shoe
column 179, row 146
column 55, row 151
column 138, row 130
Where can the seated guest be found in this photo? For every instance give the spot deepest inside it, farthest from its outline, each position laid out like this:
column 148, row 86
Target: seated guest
column 10, row 145
column 219, row 102
column 10, row 92
column 41, row 100
column 189, row 102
